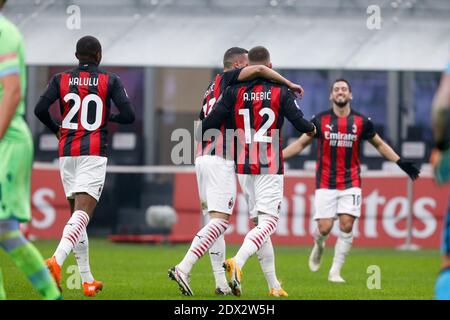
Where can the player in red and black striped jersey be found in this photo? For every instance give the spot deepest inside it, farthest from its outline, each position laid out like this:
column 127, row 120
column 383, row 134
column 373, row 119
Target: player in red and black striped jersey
column 339, row 143
column 254, row 112
column 340, row 132
column 216, row 178
column 85, row 95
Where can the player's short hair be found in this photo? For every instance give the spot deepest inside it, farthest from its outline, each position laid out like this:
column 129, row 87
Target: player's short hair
column 89, row 47
column 259, row 54
column 231, row 54
column 341, row 80
column 2, row 3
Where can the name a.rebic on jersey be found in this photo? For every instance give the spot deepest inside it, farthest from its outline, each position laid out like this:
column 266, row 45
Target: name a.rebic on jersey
column 257, row 96
column 89, row 82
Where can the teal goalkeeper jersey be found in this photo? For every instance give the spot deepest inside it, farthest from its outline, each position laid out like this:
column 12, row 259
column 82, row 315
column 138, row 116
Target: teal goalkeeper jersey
column 12, row 60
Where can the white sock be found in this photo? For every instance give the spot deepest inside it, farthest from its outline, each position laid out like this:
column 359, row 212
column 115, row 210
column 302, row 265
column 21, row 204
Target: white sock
column 318, row 237
column 342, row 248
column 202, row 242
column 266, row 257
column 81, row 252
column 256, row 237
column 217, row 256
column 76, row 224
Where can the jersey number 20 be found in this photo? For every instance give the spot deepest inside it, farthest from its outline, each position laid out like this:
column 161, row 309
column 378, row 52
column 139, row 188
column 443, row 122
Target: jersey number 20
column 67, row 121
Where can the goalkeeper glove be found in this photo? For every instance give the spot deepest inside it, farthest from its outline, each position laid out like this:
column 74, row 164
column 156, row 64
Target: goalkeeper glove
column 409, row 168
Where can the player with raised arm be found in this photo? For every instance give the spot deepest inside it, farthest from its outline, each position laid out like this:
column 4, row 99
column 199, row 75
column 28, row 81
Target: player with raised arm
column 216, row 178
column 441, row 163
column 255, row 112
column 16, row 150
column 84, row 95
column 340, row 131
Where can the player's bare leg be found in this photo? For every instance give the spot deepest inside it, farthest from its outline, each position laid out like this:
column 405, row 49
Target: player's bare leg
column 342, row 247
column 202, row 241
column 324, row 227
column 84, row 206
column 266, row 257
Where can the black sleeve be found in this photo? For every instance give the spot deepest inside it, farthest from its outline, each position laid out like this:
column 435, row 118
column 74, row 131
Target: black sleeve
column 368, row 129
column 41, row 110
column 293, row 113
column 315, row 121
column 231, row 77
column 122, row 102
column 52, row 91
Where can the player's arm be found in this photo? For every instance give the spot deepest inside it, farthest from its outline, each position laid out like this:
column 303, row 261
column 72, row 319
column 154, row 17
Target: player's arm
column 293, row 113
column 441, row 112
column 10, row 101
column 41, row 110
column 386, row 151
column 261, row 71
column 122, row 101
column 297, row 146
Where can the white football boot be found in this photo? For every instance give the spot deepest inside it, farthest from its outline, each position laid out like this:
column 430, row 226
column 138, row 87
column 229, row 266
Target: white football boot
column 335, row 276
column 315, row 258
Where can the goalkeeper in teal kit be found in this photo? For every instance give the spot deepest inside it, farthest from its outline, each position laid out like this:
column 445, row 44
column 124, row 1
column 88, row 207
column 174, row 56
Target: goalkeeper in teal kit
column 441, row 163
column 16, row 150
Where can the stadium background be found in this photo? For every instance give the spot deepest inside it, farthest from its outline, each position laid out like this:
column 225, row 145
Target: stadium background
column 166, row 52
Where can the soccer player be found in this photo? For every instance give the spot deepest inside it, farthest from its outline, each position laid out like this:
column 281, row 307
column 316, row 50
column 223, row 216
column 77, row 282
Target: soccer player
column 255, row 110
column 217, row 181
column 16, row 149
column 84, row 95
column 441, row 162
column 340, row 131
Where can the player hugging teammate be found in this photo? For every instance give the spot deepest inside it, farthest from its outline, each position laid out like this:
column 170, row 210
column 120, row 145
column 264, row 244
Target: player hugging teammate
column 253, row 111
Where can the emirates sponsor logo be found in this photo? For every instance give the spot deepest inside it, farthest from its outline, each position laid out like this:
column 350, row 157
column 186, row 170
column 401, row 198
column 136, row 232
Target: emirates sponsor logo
column 339, row 139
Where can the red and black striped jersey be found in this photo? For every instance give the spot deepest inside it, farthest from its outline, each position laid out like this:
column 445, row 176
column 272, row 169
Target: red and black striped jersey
column 339, row 143
column 216, row 145
column 255, row 111
column 85, row 95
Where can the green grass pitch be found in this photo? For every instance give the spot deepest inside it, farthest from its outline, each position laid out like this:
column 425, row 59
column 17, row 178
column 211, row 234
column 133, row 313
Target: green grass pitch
column 139, row 271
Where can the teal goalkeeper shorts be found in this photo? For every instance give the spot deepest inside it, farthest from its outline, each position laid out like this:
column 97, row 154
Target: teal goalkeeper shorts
column 16, row 157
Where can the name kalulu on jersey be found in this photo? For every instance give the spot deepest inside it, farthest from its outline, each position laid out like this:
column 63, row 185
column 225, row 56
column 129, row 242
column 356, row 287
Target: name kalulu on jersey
column 89, row 82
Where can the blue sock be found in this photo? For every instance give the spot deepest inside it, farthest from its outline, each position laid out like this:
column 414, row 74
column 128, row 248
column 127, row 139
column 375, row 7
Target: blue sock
column 442, row 289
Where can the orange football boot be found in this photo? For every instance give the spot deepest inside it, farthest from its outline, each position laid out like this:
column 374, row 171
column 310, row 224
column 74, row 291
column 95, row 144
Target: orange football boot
column 55, row 271
column 91, row 289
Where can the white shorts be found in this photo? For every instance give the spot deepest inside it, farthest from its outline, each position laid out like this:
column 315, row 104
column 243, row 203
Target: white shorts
column 331, row 202
column 216, row 182
column 263, row 193
column 83, row 174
